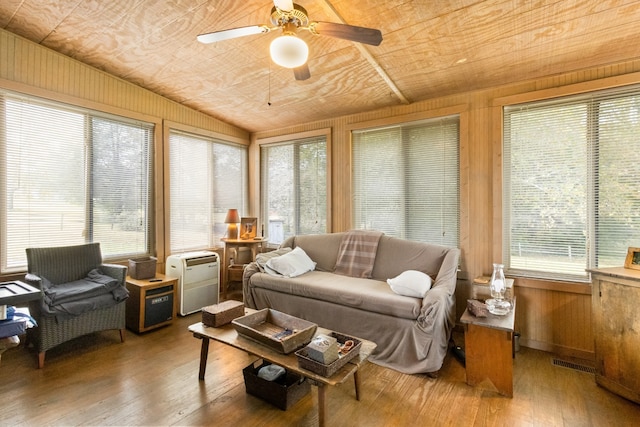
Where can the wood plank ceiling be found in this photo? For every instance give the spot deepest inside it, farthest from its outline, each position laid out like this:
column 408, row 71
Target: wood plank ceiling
column 430, row 49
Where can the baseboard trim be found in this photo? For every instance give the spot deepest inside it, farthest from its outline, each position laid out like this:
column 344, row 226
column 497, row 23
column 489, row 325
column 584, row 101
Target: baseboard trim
column 559, row 349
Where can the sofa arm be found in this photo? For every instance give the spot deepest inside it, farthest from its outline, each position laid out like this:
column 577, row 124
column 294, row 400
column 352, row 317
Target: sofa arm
column 439, row 304
column 118, row 272
column 435, row 308
column 249, row 270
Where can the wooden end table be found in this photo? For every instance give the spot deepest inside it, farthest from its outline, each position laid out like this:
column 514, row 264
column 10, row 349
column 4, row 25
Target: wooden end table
column 252, row 244
column 228, row 335
column 488, row 346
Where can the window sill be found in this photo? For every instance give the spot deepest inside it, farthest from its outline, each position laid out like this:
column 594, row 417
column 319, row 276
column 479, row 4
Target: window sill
column 550, row 285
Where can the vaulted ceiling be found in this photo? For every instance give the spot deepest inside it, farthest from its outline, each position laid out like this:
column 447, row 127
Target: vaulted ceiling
column 429, row 49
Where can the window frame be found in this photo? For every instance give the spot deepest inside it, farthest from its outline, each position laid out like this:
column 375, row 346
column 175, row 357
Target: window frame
column 213, row 137
column 90, row 111
column 584, row 92
column 459, row 112
column 286, row 140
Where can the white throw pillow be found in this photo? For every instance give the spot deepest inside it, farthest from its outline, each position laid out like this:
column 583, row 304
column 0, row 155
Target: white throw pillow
column 263, row 258
column 291, row 264
column 411, row 283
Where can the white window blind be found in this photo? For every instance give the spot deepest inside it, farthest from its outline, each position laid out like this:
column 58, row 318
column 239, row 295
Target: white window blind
column 207, row 178
column 294, row 188
column 571, row 184
column 405, row 180
column 71, row 176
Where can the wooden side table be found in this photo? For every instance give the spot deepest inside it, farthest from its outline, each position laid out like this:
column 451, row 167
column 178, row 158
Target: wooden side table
column 252, row 244
column 488, row 346
column 152, row 302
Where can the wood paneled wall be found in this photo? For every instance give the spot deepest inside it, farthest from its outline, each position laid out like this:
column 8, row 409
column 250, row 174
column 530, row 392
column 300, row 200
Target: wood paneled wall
column 32, row 68
column 556, row 321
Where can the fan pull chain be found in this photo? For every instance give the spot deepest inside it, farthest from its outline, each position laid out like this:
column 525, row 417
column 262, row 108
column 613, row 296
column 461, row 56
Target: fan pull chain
column 269, row 96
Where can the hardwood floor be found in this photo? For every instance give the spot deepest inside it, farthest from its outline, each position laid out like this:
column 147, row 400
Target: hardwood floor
column 152, row 379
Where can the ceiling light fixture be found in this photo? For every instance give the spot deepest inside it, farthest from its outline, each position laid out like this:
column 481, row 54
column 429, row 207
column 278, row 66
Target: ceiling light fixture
column 288, row 50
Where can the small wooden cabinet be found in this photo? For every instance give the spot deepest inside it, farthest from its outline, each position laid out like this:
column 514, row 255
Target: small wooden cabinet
column 616, row 328
column 152, row 302
column 489, row 349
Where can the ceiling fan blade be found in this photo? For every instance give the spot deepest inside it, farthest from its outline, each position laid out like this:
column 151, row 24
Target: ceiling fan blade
column 284, row 5
column 348, row 32
column 302, row 72
column 233, row 33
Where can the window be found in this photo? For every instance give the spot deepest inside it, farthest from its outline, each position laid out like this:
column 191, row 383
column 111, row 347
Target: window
column 405, row 180
column 207, row 178
column 571, row 184
column 294, row 187
column 71, row 176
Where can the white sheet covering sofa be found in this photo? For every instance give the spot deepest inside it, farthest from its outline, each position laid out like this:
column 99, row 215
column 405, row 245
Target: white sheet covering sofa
column 412, row 333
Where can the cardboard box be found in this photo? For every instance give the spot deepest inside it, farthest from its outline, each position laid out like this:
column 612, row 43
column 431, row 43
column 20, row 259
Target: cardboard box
column 323, row 349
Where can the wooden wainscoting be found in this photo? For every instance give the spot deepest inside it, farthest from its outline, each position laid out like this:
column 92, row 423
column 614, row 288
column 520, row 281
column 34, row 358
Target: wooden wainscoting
column 551, row 316
column 555, row 317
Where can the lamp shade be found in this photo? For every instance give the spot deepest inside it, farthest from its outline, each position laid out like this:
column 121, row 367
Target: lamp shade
column 232, row 217
column 289, row 51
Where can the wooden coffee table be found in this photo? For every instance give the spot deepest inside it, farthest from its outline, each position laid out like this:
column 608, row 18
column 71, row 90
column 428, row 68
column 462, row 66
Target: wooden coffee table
column 228, row 335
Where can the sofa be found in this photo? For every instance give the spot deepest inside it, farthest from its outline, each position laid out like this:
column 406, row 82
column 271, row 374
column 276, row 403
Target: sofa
column 411, row 332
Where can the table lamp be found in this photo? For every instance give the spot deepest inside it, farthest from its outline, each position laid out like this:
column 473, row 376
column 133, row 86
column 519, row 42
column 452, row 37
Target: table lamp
column 232, row 219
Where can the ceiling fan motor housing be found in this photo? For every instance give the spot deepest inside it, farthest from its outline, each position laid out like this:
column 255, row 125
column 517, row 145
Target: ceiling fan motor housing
column 297, row 16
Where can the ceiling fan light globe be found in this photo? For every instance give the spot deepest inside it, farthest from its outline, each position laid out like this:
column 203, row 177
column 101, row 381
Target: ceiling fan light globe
column 289, row 51
column 285, row 5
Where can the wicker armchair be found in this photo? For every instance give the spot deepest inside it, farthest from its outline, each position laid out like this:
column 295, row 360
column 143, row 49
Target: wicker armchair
column 61, row 265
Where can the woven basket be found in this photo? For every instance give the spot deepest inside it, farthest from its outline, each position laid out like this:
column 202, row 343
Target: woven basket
column 305, row 362
column 142, row 268
column 283, row 392
column 220, row 314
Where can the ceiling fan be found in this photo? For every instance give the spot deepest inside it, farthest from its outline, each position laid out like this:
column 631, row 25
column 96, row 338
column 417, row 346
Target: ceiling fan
column 288, row 50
